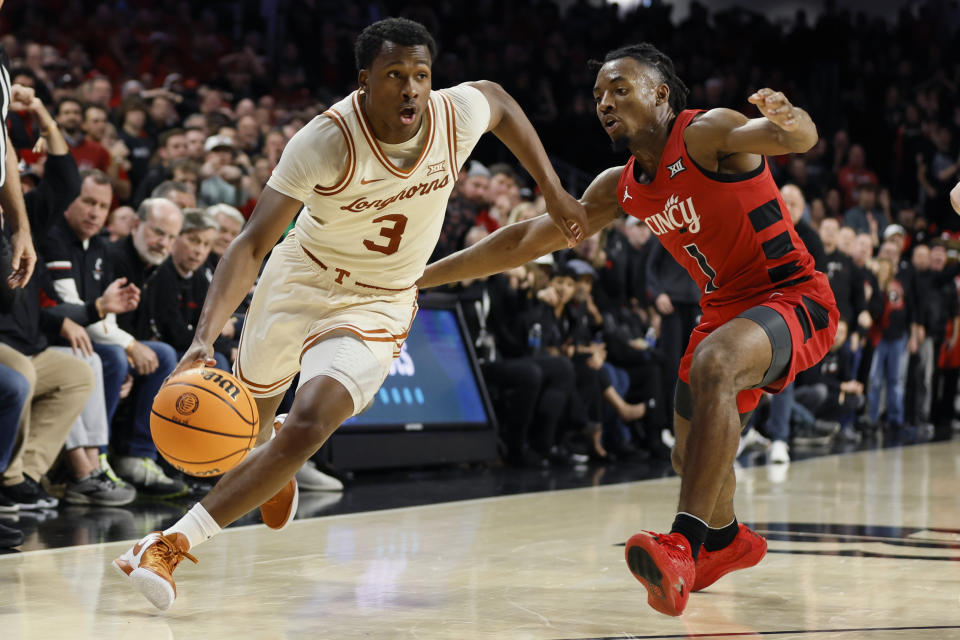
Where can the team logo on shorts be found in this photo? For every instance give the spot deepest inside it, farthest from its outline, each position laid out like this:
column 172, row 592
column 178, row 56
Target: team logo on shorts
column 187, row 403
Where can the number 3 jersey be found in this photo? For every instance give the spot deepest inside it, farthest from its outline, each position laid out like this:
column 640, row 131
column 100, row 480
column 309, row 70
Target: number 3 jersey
column 375, row 210
column 732, row 233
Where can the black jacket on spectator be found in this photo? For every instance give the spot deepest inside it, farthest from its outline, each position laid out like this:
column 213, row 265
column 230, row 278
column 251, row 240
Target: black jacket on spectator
column 893, row 310
column 847, row 284
column 28, row 327
column 813, row 243
column 60, row 185
column 665, row 275
column 126, row 263
column 172, row 304
column 89, row 267
column 835, row 368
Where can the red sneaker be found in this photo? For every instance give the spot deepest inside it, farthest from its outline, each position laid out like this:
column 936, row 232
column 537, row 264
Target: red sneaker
column 746, row 550
column 664, row 565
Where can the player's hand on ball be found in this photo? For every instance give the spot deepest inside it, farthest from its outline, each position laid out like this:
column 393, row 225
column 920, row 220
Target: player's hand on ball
column 198, row 354
column 568, row 214
column 776, row 108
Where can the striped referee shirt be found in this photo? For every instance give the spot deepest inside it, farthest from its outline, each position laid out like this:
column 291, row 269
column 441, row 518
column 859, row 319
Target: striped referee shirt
column 4, row 108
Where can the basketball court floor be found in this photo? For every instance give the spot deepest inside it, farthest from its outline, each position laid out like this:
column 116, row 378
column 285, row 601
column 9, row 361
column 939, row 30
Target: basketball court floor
column 862, row 545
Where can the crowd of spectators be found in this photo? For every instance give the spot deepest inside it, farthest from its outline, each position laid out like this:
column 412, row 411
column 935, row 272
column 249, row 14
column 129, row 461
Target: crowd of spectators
column 156, row 124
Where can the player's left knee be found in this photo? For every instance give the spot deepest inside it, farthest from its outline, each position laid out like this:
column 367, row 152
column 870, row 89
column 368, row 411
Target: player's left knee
column 711, row 367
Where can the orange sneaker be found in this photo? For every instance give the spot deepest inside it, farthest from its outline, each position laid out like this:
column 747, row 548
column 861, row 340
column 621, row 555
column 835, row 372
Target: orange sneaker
column 278, row 511
column 664, row 565
column 150, row 563
column 746, row 550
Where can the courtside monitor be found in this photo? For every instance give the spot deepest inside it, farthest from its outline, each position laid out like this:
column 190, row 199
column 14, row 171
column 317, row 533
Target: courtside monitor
column 434, row 384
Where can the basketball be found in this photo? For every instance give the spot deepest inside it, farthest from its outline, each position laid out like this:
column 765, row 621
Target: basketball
column 204, row 422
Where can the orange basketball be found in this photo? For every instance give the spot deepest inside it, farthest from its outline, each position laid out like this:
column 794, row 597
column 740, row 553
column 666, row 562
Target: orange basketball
column 204, row 422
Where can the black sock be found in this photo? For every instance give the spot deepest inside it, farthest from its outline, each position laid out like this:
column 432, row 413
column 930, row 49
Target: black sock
column 722, row 537
column 693, row 529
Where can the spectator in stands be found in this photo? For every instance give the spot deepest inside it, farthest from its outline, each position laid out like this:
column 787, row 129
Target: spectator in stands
column 844, row 278
column 91, row 152
column 229, row 224
column 501, row 195
column 179, row 193
column 893, row 311
column 463, row 209
column 59, row 385
column 920, row 369
column 676, row 298
column 186, row 172
column 853, row 175
column 196, row 137
column 782, row 404
column 171, row 146
column 830, row 391
column 867, row 216
column 120, row 223
column 224, row 179
column 84, row 270
column 947, row 343
column 174, row 294
column 248, row 135
column 158, row 225
column 132, row 116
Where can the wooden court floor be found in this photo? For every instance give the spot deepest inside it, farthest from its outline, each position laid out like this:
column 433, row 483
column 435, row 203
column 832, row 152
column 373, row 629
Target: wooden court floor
column 864, row 545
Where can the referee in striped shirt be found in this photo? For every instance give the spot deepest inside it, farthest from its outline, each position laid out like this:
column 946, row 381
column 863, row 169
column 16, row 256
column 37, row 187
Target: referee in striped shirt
column 17, row 255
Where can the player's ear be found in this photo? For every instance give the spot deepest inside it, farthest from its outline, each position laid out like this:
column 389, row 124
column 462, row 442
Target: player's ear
column 362, row 78
column 663, row 94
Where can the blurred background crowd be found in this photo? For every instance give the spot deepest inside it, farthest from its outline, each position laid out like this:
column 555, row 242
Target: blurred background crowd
column 155, row 125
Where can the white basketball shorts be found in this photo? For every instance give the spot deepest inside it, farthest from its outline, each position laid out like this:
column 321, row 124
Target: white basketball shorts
column 299, row 304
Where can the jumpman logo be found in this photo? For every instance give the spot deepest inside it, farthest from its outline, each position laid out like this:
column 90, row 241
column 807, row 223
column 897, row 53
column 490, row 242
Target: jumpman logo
column 626, row 194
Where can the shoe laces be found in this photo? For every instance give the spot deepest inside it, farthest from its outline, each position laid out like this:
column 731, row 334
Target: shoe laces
column 675, row 549
column 165, row 555
column 153, row 468
column 108, row 470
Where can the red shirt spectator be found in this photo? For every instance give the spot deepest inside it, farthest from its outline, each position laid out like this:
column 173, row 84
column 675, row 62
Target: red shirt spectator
column 853, row 174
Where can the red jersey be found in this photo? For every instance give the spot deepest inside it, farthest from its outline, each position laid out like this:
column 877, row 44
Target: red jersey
column 732, row 233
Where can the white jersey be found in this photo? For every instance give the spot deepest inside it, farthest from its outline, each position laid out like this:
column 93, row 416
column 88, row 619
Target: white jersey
column 373, row 210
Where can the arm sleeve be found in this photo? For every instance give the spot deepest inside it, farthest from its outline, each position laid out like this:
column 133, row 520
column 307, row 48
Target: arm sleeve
column 316, row 155
column 472, row 114
column 59, row 187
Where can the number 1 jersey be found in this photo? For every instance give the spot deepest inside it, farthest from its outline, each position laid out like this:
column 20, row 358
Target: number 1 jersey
column 375, row 210
column 732, row 233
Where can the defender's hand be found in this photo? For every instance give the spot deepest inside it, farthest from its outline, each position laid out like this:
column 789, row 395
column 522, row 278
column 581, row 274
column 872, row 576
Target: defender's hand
column 776, row 108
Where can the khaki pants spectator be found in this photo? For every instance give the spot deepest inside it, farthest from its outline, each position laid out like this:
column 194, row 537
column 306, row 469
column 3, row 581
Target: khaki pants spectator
column 60, row 387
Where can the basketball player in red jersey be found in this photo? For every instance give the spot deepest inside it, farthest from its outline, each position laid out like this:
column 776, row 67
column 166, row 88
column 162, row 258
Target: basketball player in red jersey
column 700, row 182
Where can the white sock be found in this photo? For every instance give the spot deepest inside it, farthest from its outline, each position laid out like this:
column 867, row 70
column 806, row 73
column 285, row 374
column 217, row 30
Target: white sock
column 198, row 526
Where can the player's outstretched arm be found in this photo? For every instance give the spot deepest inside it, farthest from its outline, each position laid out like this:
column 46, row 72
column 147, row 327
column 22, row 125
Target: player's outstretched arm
column 784, row 128
column 509, row 123
column 521, row 242
column 238, row 270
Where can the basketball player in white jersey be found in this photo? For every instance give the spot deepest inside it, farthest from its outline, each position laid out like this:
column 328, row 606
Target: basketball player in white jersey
column 337, row 297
